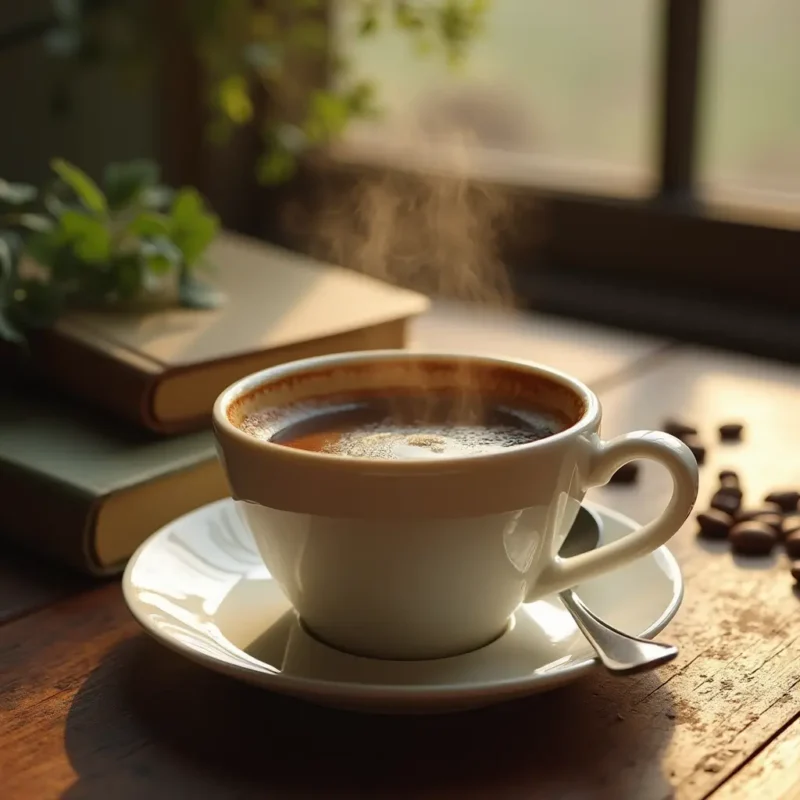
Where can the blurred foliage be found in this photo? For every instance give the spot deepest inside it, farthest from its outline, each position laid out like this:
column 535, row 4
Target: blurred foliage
column 272, row 49
column 80, row 245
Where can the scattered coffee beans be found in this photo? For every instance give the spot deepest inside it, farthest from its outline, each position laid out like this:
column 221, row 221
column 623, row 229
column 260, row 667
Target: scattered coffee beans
column 792, row 543
column 750, row 531
column 754, row 513
column 729, row 479
column 731, row 432
column 714, row 524
column 791, row 523
column 677, row 428
column 752, row 538
column 786, row 499
column 696, row 446
column 775, row 521
column 727, row 499
column 627, row 473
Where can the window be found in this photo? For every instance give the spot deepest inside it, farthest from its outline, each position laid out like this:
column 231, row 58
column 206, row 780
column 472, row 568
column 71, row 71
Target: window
column 751, row 138
column 562, row 92
column 650, row 150
column 661, row 138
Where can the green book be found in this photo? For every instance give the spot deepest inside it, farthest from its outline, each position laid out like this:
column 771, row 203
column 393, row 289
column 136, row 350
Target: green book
column 84, row 491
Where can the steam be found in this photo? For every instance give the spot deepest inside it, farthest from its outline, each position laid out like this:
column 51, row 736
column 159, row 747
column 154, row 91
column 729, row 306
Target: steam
column 434, row 231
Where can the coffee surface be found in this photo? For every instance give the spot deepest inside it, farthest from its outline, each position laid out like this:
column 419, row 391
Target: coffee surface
column 413, row 426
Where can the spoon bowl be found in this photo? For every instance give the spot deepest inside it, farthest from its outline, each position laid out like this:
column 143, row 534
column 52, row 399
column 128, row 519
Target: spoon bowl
column 618, row 651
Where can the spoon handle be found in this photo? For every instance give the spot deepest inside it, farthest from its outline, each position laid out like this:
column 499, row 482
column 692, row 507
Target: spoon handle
column 619, row 652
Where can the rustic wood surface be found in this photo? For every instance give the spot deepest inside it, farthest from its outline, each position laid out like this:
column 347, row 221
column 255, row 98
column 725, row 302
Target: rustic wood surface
column 92, row 708
column 27, row 584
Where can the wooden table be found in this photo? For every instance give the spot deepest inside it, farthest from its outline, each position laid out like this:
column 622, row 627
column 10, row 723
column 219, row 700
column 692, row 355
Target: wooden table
column 90, row 707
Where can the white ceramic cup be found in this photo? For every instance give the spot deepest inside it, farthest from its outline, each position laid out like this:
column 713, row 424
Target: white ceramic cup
column 429, row 557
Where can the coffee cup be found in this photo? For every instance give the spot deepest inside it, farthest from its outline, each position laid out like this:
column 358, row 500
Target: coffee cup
column 428, row 557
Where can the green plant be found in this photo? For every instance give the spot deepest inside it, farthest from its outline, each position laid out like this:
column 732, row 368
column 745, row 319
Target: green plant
column 249, row 48
column 131, row 241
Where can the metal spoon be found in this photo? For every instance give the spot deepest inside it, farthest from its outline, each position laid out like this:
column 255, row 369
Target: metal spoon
column 619, row 652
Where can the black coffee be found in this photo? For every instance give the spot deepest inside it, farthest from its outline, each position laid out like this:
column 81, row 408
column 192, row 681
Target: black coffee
column 410, row 425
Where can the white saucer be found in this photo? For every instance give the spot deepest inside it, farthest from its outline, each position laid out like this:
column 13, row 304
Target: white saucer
column 199, row 586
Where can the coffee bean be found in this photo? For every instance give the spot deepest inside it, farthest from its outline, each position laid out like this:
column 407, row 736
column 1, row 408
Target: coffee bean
column 795, row 570
column 677, row 428
column 727, row 499
column 752, row 538
column 753, row 513
column 697, row 448
column 627, row 473
column 791, row 523
column 793, row 545
column 731, row 432
column 729, row 478
column 714, row 524
column 775, row 521
column 786, row 499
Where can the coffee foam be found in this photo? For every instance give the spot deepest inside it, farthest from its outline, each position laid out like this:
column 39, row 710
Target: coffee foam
column 420, row 441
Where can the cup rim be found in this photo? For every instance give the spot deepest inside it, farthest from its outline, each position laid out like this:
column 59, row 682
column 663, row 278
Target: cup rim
column 588, row 419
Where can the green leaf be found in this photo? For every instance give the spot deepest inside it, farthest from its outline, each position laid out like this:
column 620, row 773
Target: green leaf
column 43, row 247
column 233, row 96
column 55, row 205
column 16, row 194
column 9, row 250
column 149, row 223
column 195, row 294
column 33, row 222
column 192, row 228
column 327, row 115
column 87, row 191
column 407, row 18
column 89, row 237
column 157, row 197
column 125, row 182
column 276, row 165
column 360, row 99
column 368, row 22
column 161, row 255
column 127, row 270
column 309, row 35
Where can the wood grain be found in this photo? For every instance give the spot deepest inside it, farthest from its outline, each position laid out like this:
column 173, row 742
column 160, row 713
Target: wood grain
column 89, row 707
column 774, row 772
column 28, row 583
column 737, row 680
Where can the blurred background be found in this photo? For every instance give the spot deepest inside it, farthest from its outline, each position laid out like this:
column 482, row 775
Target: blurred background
column 647, row 146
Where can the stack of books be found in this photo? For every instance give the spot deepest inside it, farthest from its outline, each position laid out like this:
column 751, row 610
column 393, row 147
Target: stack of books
column 105, row 425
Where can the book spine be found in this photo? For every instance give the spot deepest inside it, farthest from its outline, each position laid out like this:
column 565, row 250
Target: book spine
column 94, row 376
column 46, row 517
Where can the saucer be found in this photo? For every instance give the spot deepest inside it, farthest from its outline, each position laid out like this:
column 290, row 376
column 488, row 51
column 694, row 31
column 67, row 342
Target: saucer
column 199, row 586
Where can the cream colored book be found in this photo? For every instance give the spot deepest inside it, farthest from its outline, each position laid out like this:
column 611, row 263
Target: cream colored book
column 163, row 369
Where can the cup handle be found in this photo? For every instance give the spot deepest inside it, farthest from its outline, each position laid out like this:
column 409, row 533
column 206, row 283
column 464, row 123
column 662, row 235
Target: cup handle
column 562, row 573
